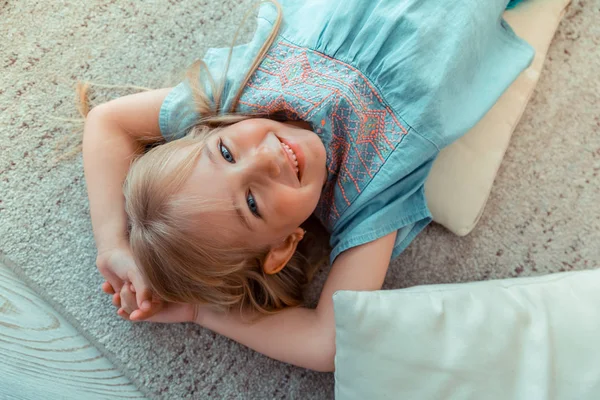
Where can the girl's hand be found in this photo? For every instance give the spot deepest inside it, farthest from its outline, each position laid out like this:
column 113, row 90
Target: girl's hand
column 163, row 312
column 119, row 269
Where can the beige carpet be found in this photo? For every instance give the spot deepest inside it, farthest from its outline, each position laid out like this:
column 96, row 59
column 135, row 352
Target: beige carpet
column 543, row 215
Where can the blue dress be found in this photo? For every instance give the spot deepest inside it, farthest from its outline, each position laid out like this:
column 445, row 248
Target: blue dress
column 385, row 84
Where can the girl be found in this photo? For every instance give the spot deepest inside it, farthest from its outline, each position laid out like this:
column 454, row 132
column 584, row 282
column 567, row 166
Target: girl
column 337, row 110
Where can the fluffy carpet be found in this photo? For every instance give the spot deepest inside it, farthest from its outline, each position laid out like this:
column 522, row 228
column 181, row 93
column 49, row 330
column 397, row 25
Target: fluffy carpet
column 543, row 215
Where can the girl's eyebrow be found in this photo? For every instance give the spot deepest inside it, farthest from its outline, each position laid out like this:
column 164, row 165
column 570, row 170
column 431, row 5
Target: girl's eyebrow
column 240, row 214
column 210, row 154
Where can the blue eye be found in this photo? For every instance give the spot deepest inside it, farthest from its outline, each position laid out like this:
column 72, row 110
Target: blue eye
column 252, row 205
column 225, row 152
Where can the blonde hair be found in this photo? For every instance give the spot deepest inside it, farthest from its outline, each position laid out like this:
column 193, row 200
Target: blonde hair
column 181, row 257
column 176, row 251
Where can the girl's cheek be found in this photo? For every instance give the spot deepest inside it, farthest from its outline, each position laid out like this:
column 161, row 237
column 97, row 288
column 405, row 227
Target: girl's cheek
column 285, row 204
column 294, row 204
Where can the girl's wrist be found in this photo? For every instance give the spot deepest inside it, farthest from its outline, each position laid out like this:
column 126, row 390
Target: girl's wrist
column 107, row 249
column 111, row 241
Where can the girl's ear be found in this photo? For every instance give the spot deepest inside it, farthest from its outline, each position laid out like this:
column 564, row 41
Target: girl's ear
column 278, row 256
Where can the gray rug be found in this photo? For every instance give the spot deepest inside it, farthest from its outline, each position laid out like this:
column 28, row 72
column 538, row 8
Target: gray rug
column 543, row 215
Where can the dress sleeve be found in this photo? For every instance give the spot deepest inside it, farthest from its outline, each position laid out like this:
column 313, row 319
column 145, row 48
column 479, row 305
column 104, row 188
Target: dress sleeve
column 393, row 201
column 177, row 114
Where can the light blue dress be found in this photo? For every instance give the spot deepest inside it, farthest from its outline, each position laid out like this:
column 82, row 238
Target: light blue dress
column 385, row 84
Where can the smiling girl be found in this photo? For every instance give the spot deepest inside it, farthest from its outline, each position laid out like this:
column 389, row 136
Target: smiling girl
column 336, row 112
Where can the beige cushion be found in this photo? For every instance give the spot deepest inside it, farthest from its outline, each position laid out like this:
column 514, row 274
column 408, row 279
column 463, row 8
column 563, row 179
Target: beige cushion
column 461, row 178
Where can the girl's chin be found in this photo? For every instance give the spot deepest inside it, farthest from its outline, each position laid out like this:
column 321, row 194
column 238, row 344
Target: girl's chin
column 299, row 124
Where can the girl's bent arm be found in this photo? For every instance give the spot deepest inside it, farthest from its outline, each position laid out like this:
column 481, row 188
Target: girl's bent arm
column 115, row 132
column 111, row 138
column 306, row 337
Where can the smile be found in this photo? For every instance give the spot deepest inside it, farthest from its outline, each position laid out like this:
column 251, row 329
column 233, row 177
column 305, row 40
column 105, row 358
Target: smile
column 292, row 157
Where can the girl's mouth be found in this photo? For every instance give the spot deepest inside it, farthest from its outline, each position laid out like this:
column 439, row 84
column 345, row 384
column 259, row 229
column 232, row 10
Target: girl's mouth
column 292, row 157
column 295, row 156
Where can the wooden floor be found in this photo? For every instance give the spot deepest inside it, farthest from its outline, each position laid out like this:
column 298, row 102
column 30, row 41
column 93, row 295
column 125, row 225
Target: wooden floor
column 43, row 357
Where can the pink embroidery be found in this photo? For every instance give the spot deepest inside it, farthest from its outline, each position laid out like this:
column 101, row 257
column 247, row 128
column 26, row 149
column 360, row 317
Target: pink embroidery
column 358, row 129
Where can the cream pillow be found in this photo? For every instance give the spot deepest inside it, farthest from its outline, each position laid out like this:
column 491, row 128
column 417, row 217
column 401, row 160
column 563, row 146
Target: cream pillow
column 518, row 339
column 462, row 176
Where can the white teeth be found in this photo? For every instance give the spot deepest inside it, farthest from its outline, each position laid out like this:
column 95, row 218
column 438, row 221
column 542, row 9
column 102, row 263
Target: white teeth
column 289, row 150
column 292, row 154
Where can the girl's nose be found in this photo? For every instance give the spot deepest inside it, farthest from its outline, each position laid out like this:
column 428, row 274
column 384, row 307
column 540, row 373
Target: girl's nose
column 266, row 162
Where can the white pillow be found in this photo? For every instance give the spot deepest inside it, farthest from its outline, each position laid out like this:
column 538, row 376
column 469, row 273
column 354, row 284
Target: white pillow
column 527, row 338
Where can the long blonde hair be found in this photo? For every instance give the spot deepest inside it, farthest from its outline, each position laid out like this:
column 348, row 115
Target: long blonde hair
column 175, row 251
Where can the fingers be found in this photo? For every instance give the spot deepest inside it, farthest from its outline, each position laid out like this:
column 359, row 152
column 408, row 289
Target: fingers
column 137, row 315
column 141, row 315
column 127, row 298
column 128, row 302
column 144, row 299
column 116, row 300
column 112, row 279
column 107, row 288
column 142, row 293
column 123, row 314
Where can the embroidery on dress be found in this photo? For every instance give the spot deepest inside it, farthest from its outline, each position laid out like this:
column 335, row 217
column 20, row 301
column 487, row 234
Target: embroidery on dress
column 358, row 130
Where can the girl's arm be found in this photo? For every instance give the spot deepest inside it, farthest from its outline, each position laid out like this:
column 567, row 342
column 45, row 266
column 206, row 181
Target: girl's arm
column 306, row 337
column 112, row 136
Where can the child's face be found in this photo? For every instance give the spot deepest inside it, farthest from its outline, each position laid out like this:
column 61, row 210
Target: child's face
column 252, row 164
